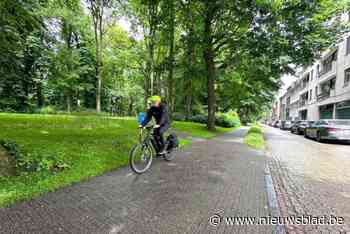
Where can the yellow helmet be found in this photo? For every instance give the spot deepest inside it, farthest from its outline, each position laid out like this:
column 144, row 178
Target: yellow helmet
column 154, row 99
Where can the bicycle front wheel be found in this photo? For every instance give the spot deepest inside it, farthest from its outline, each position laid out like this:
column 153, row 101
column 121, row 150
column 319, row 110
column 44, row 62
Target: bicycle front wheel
column 141, row 157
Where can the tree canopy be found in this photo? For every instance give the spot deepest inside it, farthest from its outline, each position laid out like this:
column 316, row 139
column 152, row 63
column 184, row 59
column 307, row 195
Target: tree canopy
column 201, row 56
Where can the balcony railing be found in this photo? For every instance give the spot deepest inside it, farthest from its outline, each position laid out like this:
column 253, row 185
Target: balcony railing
column 327, row 68
column 323, row 96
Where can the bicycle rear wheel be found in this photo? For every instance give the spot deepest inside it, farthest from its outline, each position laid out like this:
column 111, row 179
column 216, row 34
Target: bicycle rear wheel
column 170, row 154
column 141, row 157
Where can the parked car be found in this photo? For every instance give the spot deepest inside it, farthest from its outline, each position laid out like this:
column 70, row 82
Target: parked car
column 286, row 125
column 331, row 129
column 299, row 126
column 276, row 124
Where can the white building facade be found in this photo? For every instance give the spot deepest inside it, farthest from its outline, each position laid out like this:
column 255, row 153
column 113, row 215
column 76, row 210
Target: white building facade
column 322, row 90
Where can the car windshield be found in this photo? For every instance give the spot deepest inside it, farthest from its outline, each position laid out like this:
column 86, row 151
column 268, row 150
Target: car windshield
column 339, row 122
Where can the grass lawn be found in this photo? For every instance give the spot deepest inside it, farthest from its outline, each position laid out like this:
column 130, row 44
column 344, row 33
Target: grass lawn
column 255, row 138
column 199, row 130
column 89, row 145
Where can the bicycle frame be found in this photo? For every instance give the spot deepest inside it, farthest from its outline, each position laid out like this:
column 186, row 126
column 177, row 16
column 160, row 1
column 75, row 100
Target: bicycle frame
column 147, row 140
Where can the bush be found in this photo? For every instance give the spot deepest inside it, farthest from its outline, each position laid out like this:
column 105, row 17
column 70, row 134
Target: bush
column 26, row 162
column 199, row 119
column 178, row 116
column 48, row 110
column 226, row 120
column 255, row 129
column 7, row 109
column 255, row 138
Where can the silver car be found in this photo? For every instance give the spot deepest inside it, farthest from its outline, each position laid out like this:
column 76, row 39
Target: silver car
column 329, row 129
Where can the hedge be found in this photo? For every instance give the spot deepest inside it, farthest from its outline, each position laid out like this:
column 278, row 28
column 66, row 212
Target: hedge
column 228, row 120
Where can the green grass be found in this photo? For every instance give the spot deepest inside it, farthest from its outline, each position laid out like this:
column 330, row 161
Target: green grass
column 199, row 130
column 90, row 145
column 255, row 138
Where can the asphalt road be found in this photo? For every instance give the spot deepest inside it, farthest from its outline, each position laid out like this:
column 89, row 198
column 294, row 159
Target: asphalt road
column 310, row 179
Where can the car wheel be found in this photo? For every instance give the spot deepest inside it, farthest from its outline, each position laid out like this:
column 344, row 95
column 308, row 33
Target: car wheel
column 305, row 134
column 318, row 137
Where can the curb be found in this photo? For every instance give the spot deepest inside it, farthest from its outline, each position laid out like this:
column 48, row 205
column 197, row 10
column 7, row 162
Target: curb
column 272, row 200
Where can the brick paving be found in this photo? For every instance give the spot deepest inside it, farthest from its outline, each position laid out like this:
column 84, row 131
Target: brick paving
column 220, row 175
column 310, row 178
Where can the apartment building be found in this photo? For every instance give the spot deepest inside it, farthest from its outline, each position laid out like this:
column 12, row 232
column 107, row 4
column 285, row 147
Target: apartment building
column 274, row 113
column 322, row 90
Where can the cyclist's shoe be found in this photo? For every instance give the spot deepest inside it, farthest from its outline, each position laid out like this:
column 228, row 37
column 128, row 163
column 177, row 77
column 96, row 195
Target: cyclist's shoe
column 162, row 152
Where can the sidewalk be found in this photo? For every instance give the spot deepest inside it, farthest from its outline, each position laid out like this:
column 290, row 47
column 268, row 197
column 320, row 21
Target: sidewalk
column 221, row 176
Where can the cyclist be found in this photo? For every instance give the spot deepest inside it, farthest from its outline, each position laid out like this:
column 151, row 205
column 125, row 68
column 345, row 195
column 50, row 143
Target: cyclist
column 159, row 112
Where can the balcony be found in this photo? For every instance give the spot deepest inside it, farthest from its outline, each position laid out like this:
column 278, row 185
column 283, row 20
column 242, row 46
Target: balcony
column 323, row 96
column 327, row 70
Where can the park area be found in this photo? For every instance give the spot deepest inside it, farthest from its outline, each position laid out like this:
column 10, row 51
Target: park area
column 81, row 81
column 45, row 152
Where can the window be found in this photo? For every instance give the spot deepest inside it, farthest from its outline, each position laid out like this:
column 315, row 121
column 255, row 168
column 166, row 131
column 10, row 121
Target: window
column 327, row 64
column 310, row 94
column 348, row 45
column 311, row 74
column 332, row 83
column 316, row 91
column 347, row 77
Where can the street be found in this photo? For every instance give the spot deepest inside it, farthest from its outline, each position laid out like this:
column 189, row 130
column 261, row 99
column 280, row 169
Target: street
column 310, row 178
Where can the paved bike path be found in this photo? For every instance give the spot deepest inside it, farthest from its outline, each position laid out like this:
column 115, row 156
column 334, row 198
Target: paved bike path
column 220, row 175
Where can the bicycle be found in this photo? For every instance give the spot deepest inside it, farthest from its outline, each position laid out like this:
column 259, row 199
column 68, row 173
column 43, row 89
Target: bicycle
column 142, row 153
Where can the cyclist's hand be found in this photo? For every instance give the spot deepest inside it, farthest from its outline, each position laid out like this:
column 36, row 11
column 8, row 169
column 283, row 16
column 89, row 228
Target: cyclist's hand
column 156, row 126
column 140, row 126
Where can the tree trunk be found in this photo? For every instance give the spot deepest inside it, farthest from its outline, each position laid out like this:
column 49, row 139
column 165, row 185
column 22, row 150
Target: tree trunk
column 188, row 73
column 39, row 95
column 147, row 92
column 151, row 68
column 210, row 68
column 98, row 39
column 189, row 97
column 171, row 58
column 130, row 109
column 68, row 100
column 96, row 8
column 152, row 24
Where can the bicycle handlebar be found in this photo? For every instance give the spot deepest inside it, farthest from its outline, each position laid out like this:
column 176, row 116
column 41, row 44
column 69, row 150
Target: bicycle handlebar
column 147, row 127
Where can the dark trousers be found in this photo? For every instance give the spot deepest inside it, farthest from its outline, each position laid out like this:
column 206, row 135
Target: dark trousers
column 159, row 136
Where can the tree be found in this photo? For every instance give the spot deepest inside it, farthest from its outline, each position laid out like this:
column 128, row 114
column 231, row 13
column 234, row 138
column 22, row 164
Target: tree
column 285, row 32
column 170, row 57
column 97, row 9
column 121, row 72
column 224, row 23
column 17, row 22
